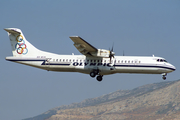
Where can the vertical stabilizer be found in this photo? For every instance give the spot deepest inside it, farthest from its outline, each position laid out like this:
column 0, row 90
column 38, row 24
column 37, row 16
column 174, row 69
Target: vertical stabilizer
column 20, row 46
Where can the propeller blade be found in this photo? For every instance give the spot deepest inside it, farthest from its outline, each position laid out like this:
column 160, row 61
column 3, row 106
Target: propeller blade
column 112, row 47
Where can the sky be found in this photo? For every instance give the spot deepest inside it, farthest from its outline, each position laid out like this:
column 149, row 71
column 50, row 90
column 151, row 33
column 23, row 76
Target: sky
column 139, row 28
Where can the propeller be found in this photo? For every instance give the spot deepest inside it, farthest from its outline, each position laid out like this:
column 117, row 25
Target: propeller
column 111, row 53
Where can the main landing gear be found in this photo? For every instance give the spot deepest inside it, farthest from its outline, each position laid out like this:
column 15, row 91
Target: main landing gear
column 164, row 76
column 94, row 73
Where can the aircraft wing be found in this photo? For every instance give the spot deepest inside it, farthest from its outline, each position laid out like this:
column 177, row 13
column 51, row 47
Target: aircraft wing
column 83, row 47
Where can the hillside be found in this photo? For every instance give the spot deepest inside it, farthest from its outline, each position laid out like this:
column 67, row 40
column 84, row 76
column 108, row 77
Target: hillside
column 153, row 101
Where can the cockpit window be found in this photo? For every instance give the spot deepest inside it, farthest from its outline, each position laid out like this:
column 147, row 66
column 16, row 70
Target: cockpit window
column 165, row 61
column 161, row 60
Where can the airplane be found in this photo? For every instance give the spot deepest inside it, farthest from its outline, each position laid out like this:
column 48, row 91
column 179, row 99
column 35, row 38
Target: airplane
column 93, row 61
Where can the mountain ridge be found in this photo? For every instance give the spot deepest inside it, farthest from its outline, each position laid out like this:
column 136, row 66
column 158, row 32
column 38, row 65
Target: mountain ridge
column 119, row 98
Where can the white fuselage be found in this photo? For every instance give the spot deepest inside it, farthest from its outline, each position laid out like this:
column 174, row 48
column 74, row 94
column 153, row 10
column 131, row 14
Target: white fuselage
column 84, row 64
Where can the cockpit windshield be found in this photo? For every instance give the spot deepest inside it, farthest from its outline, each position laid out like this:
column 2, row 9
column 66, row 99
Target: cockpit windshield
column 161, row 60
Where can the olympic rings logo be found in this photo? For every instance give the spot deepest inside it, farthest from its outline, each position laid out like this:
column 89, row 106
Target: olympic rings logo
column 20, row 46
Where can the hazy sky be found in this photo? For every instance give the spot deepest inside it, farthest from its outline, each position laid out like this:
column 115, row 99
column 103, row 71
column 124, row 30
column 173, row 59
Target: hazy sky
column 141, row 27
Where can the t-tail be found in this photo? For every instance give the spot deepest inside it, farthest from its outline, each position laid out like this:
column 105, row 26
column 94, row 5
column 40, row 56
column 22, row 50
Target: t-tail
column 24, row 52
column 20, row 46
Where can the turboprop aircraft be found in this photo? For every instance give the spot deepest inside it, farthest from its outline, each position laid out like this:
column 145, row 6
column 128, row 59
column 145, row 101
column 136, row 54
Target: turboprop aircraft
column 93, row 61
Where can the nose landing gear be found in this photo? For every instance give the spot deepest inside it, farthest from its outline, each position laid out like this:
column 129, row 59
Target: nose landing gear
column 164, row 76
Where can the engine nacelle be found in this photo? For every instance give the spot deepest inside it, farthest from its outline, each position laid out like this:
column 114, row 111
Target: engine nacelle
column 101, row 53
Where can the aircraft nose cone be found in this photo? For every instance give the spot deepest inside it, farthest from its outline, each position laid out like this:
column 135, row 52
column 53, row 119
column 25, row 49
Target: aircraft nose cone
column 174, row 68
column 171, row 67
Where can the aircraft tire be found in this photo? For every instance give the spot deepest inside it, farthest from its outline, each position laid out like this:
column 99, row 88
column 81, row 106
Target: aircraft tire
column 92, row 74
column 99, row 78
column 164, row 78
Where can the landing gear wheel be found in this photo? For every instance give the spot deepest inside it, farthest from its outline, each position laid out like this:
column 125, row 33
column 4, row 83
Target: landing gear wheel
column 164, row 77
column 92, row 74
column 99, row 78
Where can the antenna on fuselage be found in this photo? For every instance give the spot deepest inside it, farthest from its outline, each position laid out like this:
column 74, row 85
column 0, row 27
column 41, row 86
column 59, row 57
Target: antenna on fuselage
column 123, row 52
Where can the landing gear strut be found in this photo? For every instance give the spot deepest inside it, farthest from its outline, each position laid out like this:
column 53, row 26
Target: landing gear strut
column 164, row 76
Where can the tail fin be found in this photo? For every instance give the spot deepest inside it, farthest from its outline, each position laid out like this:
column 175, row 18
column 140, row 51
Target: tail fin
column 20, row 46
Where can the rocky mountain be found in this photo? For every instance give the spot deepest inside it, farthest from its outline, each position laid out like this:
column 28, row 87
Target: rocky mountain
column 149, row 102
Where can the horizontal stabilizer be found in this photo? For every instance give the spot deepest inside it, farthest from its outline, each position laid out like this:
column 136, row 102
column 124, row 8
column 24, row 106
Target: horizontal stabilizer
column 12, row 30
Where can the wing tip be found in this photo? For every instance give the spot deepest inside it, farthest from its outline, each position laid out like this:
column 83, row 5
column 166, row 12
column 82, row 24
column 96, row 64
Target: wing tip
column 74, row 36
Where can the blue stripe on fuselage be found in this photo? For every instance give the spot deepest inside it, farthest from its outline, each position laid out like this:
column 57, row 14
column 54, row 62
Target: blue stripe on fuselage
column 67, row 64
column 150, row 66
